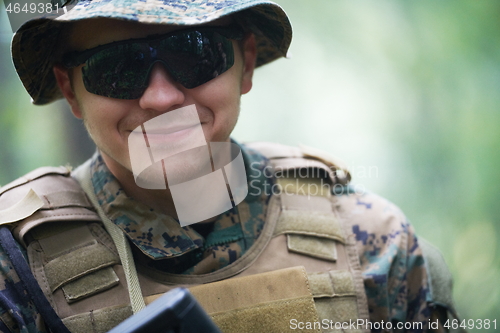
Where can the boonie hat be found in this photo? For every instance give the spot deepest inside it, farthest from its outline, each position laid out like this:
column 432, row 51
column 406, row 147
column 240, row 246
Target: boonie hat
column 35, row 42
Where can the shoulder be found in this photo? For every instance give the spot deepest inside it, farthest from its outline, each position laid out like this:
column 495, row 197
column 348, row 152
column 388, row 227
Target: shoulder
column 18, row 202
column 387, row 244
column 370, row 215
column 367, row 210
column 391, row 258
column 37, row 179
column 285, row 159
column 377, row 224
column 43, row 195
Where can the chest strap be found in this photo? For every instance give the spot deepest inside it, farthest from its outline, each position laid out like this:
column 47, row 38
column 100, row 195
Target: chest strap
column 82, row 174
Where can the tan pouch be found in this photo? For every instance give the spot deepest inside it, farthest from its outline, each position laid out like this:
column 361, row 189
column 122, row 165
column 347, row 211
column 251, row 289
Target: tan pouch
column 266, row 302
column 72, row 257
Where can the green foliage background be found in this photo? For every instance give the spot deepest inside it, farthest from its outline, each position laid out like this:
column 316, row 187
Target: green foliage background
column 406, row 92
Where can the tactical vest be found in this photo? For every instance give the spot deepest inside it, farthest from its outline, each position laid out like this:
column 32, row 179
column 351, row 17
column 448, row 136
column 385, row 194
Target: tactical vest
column 302, row 273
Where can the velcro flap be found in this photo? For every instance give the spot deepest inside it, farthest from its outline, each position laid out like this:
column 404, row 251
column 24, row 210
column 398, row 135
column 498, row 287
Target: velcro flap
column 309, row 203
column 321, row 284
column 338, row 310
column 322, row 248
column 335, row 297
column 90, row 284
column 343, row 283
column 265, row 302
column 57, row 238
column 98, row 321
column 75, row 264
column 305, row 186
column 277, row 316
column 332, row 283
column 254, row 289
column 309, row 223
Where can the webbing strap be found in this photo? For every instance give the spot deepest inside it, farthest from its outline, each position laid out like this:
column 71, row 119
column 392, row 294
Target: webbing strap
column 82, row 174
column 50, row 317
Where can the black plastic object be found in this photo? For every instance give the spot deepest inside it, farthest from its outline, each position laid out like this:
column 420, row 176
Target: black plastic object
column 175, row 312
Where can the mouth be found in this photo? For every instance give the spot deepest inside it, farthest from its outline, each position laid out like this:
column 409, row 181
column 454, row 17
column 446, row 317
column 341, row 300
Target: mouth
column 165, row 142
column 177, row 133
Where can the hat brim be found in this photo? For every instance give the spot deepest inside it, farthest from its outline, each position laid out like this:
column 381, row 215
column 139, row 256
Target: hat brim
column 35, row 43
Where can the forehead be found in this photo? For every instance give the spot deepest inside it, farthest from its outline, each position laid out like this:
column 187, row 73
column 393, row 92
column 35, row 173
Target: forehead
column 89, row 33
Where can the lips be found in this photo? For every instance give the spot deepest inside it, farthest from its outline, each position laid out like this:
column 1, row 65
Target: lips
column 177, row 133
column 169, row 134
column 170, row 129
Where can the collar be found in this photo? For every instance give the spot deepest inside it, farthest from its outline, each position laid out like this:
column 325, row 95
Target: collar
column 159, row 236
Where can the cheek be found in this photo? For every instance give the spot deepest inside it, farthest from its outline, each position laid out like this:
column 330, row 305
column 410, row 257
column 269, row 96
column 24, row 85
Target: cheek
column 222, row 97
column 225, row 91
column 102, row 117
column 97, row 111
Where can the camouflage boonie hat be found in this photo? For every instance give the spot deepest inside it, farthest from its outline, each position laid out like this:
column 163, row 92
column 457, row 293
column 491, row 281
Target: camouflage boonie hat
column 35, row 42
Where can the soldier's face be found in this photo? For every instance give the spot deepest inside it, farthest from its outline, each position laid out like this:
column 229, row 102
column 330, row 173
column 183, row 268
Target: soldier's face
column 110, row 121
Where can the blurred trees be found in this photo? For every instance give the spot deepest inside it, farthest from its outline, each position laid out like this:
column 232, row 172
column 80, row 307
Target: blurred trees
column 33, row 136
column 408, row 87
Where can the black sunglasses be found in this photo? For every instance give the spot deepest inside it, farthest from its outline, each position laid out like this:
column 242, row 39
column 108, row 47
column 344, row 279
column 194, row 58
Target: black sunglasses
column 192, row 57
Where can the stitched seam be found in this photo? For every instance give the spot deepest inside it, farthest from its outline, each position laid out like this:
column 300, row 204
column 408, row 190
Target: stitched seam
column 79, row 214
column 304, row 274
column 48, row 201
column 308, row 233
column 39, row 272
column 92, row 321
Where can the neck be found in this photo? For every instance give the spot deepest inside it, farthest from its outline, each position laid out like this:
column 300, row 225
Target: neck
column 190, row 166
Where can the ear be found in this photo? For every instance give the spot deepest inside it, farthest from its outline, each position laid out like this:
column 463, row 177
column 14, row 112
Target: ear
column 249, row 58
column 64, row 82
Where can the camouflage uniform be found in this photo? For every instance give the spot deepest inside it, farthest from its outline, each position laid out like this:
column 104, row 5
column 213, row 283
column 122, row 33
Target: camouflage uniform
column 394, row 272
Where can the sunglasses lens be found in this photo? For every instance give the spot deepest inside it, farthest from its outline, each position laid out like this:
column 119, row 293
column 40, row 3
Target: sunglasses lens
column 117, row 72
column 192, row 58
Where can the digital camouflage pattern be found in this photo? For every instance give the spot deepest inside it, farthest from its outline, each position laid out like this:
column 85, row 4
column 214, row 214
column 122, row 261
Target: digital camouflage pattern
column 17, row 311
column 393, row 267
column 35, row 45
column 177, row 249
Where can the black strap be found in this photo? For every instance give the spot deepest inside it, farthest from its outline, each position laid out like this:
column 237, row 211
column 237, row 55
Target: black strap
column 52, row 320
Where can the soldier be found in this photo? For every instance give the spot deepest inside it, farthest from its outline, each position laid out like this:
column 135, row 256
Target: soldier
column 292, row 247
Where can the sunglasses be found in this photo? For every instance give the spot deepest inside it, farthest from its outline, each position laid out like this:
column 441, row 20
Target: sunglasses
column 192, row 57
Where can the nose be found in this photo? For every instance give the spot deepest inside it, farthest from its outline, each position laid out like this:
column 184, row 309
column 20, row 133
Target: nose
column 163, row 92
